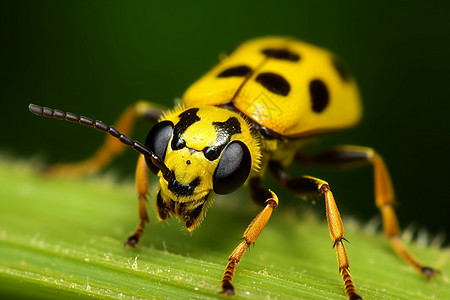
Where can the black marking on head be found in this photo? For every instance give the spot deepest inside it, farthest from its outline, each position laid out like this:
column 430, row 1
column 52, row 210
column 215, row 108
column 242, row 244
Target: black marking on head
column 341, row 69
column 178, row 144
column 320, row 96
column 239, row 71
column 274, row 83
column 229, row 127
column 282, row 54
column 225, row 130
column 187, row 118
column 180, row 189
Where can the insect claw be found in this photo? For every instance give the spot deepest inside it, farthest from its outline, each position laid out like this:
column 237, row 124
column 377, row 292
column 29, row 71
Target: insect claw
column 429, row 272
column 227, row 288
column 132, row 241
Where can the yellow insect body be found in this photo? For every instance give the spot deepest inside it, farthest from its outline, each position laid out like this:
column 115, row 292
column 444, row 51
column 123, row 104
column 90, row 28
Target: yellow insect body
column 248, row 114
column 293, row 113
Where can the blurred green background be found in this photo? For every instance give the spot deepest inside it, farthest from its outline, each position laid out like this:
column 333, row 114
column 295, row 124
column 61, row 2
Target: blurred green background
column 96, row 57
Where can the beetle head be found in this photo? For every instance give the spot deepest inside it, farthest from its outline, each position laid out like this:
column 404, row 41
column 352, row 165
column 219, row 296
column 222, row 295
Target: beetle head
column 206, row 149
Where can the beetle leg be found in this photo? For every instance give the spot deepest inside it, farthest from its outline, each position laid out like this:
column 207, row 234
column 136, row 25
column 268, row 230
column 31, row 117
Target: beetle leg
column 111, row 146
column 142, row 190
column 250, row 235
column 384, row 192
column 307, row 185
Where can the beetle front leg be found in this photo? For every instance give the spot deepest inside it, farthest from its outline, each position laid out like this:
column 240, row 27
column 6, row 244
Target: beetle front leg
column 142, row 190
column 250, row 235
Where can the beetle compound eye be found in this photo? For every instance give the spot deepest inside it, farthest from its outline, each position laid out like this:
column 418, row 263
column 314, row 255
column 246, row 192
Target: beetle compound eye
column 233, row 168
column 157, row 141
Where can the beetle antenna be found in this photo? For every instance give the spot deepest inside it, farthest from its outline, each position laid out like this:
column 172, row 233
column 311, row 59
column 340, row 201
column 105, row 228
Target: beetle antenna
column 60, row 115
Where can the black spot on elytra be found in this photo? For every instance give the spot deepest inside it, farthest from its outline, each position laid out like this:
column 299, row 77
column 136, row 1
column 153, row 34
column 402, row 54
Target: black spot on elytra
column 274, row 83
column 187, row 118
column 283, row 54
column 319, row 95
column 239, row 71
column 341, row 69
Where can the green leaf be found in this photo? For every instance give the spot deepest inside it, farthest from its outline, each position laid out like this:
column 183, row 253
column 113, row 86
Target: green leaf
column 64, row 238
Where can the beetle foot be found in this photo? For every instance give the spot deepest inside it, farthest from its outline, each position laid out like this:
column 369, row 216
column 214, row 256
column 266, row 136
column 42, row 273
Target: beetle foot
column 429, row 272
column 355, row 297
column 132, row 241
column 227, row 288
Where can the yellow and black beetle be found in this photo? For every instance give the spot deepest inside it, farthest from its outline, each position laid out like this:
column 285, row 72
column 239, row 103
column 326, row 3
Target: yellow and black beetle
column 251, row 112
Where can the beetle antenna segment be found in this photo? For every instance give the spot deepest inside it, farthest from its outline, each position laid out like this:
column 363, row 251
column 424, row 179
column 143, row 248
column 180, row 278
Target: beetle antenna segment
column 60, row 115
